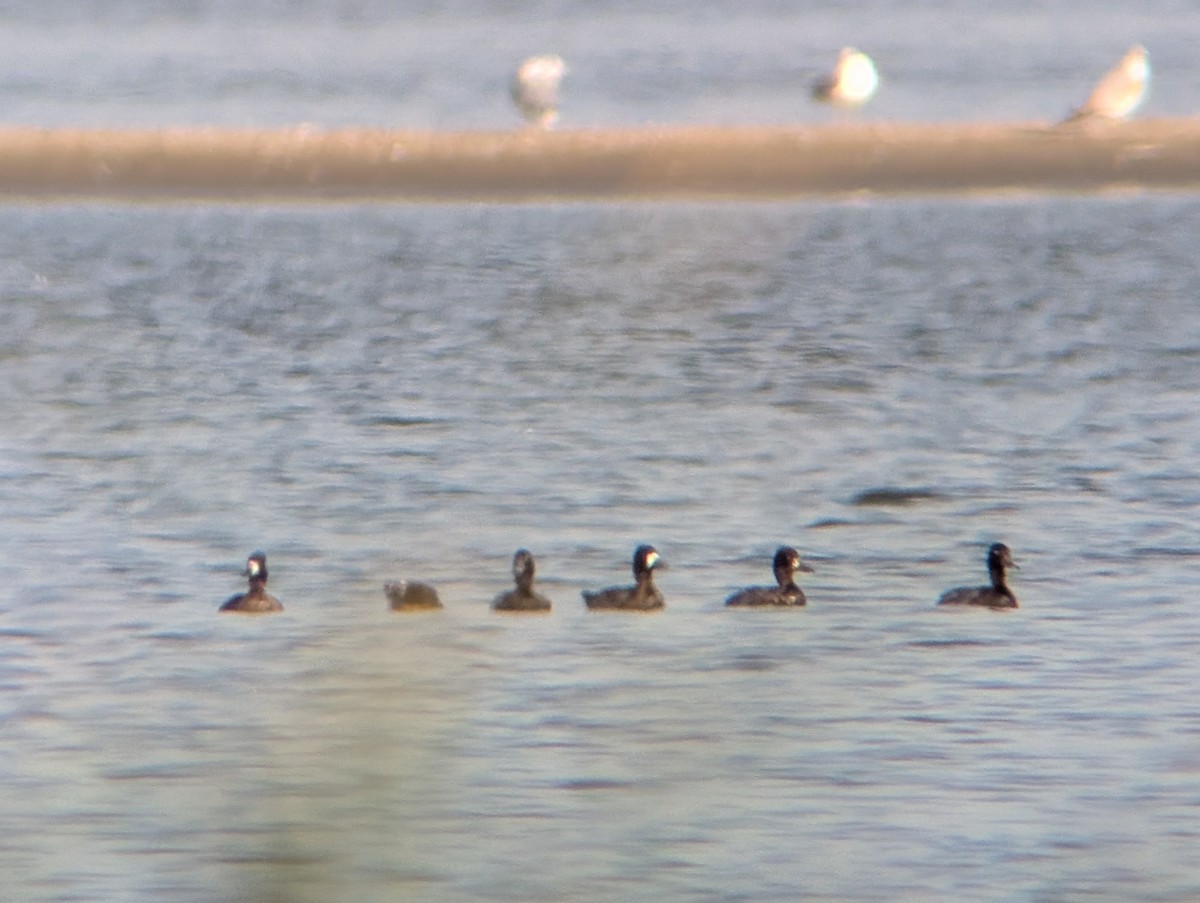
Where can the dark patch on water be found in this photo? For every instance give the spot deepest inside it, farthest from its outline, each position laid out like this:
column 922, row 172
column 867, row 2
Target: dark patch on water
column 829, row 522
column 283, row 859
column 176, row 636
column 890, row 496
column 946, row 643
column 20, row 633
column 150, row 772
column 1165, row 552
column 751, row 663
column 596, row 784
column 401, row 422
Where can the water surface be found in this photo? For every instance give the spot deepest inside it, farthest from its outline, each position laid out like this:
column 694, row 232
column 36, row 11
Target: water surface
column 374, row 392
column 370, row 392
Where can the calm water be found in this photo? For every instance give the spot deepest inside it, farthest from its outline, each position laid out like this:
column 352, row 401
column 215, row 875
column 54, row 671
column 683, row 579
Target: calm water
column 446, row 65
column 372, row 392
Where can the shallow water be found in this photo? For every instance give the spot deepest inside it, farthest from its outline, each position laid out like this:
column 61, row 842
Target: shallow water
column 370, row 392
column 377, row 392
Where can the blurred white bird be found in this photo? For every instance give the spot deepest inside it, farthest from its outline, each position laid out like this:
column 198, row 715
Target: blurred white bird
column 535, row 89
column 851, row 83
column 1120, row 91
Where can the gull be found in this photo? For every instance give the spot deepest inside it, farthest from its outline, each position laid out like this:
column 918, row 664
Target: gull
column 851, row 83
column 535, row 89
column 1120, row 91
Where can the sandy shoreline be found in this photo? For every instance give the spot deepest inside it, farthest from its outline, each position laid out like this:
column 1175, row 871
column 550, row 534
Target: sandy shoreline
column 652, row 162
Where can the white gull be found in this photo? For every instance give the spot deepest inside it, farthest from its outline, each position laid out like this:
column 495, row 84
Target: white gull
column 535, row 89
column 1121, row 89
column 852, row 81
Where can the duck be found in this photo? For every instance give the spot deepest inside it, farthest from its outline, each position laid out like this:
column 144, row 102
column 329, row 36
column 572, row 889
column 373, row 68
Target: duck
column 524, row 597
column 535, row 89
column 411, row 595
column 1119, row 91
column 256, row 599
column 642, row 596
column 998, row 595
column 851, row 83
column 786, row 563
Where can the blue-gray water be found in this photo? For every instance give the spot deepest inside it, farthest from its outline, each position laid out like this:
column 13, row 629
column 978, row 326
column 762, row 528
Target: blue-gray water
column 373, row 392
column 370, row 392
column 328, row 63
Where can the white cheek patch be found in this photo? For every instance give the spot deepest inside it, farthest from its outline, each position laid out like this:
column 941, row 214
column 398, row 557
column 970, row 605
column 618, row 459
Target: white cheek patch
column 651, row 559
column 252, row 568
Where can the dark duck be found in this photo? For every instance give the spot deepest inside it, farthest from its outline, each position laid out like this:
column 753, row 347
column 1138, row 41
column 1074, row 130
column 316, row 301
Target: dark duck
column 255, row 600
column 998, row 595
column 642, row 596
column 523, row 597
column 411, row 595
column 785, row 594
